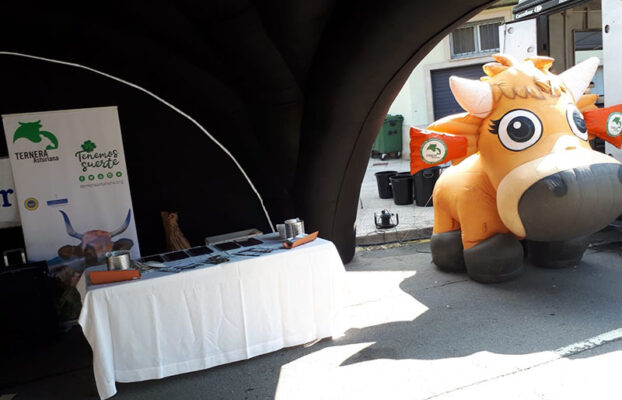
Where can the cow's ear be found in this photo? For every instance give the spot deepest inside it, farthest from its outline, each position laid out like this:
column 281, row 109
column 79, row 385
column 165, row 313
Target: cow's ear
column 464, row 124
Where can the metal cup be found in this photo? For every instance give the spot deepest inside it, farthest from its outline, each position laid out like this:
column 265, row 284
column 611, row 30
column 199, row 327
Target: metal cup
column 281, row 229
column 118, row 259
column 294, row 227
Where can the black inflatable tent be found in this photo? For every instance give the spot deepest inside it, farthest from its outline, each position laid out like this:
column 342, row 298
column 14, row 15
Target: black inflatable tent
column 296, row 90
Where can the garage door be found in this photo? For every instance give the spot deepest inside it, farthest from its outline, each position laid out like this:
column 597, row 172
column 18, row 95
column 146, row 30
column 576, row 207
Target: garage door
column 442, row 99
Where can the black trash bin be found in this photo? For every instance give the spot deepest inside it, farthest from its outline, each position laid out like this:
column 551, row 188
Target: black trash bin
column 384, row 187
column 424, row 185
column 402, row 184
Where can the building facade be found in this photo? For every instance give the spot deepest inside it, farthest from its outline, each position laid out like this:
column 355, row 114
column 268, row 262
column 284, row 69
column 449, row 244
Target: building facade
column 569, row 31
column 425, row 96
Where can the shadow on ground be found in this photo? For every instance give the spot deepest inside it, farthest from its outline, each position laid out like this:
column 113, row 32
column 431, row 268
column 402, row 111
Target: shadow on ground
column 542, row 310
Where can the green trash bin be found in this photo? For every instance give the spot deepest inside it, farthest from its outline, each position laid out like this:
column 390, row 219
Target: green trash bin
column 388, row 143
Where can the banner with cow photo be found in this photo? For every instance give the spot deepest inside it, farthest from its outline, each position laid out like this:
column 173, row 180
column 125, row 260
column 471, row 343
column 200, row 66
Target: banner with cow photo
column 72, row 190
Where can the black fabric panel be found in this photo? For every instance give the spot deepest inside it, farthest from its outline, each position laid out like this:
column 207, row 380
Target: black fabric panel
column 219, row 66
column 171, row 164
column 296, row 90
column 367, row 53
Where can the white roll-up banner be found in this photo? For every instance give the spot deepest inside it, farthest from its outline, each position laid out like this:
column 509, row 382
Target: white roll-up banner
column 72, row 187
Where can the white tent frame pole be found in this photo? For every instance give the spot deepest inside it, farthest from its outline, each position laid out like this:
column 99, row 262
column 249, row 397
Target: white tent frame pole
column 161, row 100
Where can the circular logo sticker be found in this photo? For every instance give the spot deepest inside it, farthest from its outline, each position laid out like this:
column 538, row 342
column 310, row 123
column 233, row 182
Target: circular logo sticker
column 31, row 204
column 614, row 124
column 433, row 151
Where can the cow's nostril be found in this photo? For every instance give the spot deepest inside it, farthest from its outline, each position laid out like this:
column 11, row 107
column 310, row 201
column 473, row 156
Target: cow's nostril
column 571, row 203
column 556, row 185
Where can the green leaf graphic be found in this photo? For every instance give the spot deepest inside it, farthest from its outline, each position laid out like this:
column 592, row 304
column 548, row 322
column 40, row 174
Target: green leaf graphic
column 88, row 146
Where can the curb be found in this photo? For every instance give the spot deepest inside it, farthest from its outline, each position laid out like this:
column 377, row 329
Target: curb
column 393, row 235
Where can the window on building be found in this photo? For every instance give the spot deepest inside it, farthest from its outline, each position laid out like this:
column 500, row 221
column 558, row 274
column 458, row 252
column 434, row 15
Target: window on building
column 481, row 37
column 588, row 40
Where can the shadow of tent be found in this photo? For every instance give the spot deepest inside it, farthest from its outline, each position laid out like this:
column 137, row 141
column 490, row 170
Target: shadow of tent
column 543, row 310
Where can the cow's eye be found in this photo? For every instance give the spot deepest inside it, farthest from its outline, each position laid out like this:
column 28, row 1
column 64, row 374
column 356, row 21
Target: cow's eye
column 576, row 122
column 518, row 129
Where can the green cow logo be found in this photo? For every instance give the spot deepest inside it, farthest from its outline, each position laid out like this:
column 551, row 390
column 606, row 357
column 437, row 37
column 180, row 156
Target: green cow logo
column 433, row 151
column 32, row 131
column 614, row 124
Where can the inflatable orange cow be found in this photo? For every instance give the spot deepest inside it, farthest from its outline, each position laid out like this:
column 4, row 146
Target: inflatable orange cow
column 530, row 172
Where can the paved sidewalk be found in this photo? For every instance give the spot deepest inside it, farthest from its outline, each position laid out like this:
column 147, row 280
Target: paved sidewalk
column 415, row 222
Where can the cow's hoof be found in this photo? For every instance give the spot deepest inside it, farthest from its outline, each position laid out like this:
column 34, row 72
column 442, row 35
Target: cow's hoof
column 562, row 254
column 447, row 252
column 496, row 259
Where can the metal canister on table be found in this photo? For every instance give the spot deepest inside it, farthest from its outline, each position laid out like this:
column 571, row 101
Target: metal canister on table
column 294, row 227
column 118, row 260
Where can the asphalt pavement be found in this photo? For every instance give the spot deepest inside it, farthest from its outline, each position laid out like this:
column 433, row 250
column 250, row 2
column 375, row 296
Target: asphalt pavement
column 413, row 332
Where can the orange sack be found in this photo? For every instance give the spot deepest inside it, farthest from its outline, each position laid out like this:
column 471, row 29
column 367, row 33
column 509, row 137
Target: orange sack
column 605, row 123
column 428, row 148
column 99, row 277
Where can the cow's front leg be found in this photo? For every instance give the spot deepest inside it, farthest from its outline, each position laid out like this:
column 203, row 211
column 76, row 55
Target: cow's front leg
column 491, row 253
column 447, row 251
column 561, row 254
column 496, row 259
column 446, row 242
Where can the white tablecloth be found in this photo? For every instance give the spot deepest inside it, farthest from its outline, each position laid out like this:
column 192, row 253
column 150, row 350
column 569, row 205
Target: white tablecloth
column 166, row 324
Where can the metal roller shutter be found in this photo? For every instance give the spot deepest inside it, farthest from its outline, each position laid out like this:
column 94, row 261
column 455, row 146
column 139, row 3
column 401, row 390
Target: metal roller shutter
column 444, row 102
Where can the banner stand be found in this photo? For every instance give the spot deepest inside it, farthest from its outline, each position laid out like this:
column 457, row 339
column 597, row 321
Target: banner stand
column 72, row 191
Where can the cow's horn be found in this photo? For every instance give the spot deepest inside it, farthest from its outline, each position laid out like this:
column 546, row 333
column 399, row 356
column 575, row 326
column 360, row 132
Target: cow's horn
column 70, row 231
column 474, row 96
column 123, row 227
column 578, row 78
